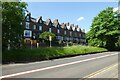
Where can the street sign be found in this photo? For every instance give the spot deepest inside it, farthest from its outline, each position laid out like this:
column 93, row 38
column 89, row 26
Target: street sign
column 50, row 38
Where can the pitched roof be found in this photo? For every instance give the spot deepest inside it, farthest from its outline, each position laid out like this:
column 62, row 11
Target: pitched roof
column 62, row 25
column 67, row 24
column 48, row 21
column 56, row 23
column 33, row 19
column 39, row 18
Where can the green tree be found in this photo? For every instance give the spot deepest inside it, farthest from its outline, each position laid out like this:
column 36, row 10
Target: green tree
column 13, row 15
column 45, row 35
column 105, row 29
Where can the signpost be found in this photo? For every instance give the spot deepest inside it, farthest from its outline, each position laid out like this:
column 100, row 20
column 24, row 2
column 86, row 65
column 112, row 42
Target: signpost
column 50, row 39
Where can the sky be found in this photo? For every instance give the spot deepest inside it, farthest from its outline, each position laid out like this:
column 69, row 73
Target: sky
column 77, row 13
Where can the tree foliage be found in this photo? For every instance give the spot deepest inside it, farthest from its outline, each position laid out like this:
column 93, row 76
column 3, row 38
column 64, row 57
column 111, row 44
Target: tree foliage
column 105, row 29
column 13, row 14
column 45, row 35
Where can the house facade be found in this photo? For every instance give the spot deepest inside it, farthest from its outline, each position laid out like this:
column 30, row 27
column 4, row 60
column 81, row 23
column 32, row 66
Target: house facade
column 65, row 32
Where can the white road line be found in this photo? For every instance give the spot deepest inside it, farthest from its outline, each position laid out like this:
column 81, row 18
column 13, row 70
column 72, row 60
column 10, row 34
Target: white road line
column 51, row 67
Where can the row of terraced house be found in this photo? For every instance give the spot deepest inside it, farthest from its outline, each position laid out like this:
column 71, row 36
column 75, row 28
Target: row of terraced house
column 65, row 32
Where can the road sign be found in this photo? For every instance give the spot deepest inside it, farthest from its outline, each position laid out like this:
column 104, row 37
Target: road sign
column 50, row 38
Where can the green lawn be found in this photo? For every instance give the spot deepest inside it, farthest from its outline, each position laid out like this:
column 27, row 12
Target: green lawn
column 36, row 54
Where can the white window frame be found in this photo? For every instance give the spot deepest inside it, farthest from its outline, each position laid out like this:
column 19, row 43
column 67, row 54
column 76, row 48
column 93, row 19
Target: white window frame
column 27, row 25
column 65, row 32
column 59, row 37
column 58, row 31
column 28, row 32
column 50, row 29
column 34, row 37
column 40, row 28
column 27, row 18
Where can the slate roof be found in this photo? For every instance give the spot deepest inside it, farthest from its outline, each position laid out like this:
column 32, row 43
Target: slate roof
column 56, row 23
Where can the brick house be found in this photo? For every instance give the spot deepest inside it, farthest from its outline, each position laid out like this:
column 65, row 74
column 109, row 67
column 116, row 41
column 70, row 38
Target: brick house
column 64, row 31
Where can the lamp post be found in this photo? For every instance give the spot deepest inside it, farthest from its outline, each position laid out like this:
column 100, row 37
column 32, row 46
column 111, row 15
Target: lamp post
column 31, row 43
column 67, row 41
column 8, row 44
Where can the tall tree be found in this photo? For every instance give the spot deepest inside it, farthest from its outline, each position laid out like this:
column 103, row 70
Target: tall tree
column 105, row 29
column 13, row 14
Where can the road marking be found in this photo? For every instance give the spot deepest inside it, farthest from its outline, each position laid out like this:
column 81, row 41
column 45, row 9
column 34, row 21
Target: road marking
column 51, row 67
column 92, row 75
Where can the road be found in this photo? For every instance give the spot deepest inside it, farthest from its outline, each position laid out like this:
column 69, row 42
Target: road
column 102, row 65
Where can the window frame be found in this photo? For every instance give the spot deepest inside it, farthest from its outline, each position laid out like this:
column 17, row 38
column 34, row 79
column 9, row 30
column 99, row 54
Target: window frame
column 27, row 26
column 40, row 28
column 50, row 29
column 27, row 18
column 34, row 27
column 58, row 31
column 29, row 32
column 65, row 32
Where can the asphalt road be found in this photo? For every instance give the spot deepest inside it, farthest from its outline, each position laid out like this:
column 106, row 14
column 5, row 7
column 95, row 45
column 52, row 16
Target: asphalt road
column 102, row 65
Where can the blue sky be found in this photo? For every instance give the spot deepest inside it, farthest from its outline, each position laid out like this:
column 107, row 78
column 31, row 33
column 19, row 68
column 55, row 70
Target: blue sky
column 77, row 13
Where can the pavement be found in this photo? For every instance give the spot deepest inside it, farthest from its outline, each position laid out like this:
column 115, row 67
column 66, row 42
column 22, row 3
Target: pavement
column 102, row 65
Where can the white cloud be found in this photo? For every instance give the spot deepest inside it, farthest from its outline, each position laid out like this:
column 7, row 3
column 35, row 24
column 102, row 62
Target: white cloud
column 80, row 18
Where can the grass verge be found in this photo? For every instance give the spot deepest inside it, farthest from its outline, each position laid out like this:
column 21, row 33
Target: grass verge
column 37, row 54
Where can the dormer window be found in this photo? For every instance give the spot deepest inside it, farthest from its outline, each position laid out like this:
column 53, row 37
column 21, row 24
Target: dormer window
column 40, row 21
column 27, row 18
column 27, row 25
